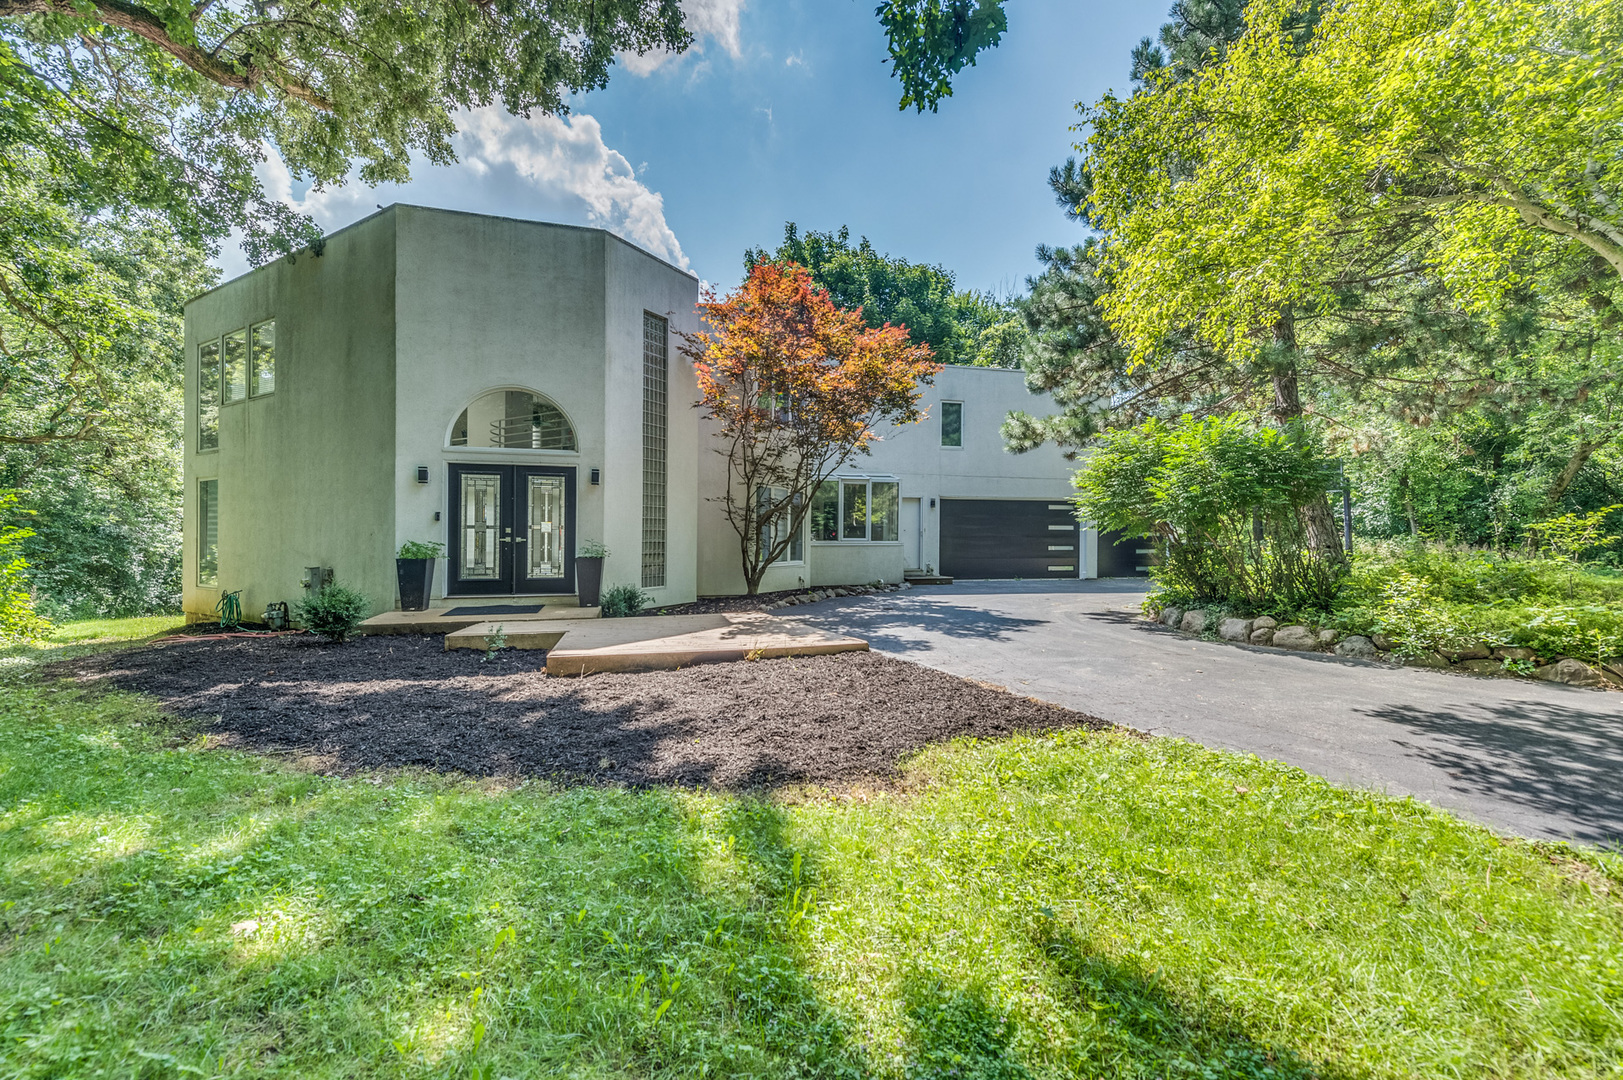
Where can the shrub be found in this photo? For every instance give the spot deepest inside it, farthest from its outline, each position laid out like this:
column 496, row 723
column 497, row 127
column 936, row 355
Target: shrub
column 18, row 619
column 333, row 612
column 418, row 549
column 1227, row 503
column 623, row 601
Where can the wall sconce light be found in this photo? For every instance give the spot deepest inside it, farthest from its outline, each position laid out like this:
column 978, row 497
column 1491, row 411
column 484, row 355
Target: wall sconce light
column 422, row 474
column 597, row 477
column 932, row 504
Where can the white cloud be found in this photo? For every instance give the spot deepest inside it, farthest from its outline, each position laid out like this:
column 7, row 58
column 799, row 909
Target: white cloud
column 544, row 167
column 709, row 21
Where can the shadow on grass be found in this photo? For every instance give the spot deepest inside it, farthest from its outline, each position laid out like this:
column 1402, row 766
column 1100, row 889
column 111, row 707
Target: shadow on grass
column 1136, row 1028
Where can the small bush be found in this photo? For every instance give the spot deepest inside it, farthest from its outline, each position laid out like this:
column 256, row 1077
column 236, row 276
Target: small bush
column 334, row 612
column 418, row 549
column 623, row 601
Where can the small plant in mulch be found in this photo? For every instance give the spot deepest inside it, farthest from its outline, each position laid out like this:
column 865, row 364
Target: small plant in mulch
column 623, row 601
column 495, row 642
column 334, row 612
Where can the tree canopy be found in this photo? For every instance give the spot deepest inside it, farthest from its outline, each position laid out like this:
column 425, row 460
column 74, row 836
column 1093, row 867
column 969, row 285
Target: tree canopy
column 961, row 327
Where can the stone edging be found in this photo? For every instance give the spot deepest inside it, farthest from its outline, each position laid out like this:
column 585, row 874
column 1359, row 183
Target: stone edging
column 1480, row 659
column 829, row 592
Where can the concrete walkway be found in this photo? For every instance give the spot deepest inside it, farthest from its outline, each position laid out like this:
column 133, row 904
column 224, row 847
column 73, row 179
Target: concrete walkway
column 1528, row 758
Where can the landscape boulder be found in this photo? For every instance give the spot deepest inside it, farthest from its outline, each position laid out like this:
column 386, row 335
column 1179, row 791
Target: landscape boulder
column 1262, row 636
column 1428, row 659
column 1383, row 643
column 1264, row 622
column 1571, row 672
column 1515, row 652
column 1476, row 651
column 1171, row 616
column 1327, row 638
column 1234, row 630
column 1482, row 667
column 1194, row 622
column 1357, row 646
column 1295, row 637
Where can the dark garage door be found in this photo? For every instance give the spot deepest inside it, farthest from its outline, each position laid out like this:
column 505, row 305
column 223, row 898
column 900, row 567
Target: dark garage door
column 998, row 538
column 1121, row 556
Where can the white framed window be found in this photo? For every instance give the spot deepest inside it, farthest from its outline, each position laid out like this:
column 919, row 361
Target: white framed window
column 952, row 424
column 857, row 509
column 208, row 395
column 234, row 358
column 772, row 529
column 262, row 359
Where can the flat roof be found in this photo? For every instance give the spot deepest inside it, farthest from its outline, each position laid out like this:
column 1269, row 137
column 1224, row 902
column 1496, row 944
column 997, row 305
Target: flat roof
column 466, row 213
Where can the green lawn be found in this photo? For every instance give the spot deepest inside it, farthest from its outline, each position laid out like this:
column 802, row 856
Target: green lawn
column 1073, row 906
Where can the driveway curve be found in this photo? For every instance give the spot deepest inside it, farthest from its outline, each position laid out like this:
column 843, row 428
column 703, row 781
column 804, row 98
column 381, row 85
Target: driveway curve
column 1533, row 759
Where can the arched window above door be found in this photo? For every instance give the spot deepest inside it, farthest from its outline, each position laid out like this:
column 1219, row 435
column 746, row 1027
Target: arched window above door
column 513, row 420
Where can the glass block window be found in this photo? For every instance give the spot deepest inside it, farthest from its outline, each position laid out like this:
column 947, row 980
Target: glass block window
column 952, row 423
column 513, row 420
column 655, row 430
column 235, row 361
column 262, row 360
column 208, row 533
column 208, row 395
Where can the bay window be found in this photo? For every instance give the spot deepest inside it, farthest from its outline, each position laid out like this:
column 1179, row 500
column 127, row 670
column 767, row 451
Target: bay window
column 856, row 510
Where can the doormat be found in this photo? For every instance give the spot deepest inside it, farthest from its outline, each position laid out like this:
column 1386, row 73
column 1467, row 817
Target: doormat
column 497, row 609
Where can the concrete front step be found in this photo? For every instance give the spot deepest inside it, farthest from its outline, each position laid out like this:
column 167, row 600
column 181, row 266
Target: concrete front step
column 653, row 643
column 439, row 622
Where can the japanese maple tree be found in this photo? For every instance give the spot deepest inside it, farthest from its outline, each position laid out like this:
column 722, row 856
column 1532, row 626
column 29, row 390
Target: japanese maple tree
column 796, row 387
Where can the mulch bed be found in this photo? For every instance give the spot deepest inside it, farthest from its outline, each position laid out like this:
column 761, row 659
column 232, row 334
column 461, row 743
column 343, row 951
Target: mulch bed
column 712, row 605
column 382, row 702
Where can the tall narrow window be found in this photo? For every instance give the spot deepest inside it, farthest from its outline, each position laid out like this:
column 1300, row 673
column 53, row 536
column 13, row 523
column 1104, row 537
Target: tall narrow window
column 262, row 360
column 952, row 423
column 208, row 533
column 208, row 395
column 854, row 523
column 825, row 511
column 655, row 397
column 236, row 366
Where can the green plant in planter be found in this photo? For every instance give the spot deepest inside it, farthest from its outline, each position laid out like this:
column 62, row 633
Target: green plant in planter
column 334, row 612
column 418, row 549
column 592, row 549
column 623, row 601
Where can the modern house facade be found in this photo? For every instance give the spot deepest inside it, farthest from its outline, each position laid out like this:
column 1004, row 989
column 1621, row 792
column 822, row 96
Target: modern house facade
column 511, row 389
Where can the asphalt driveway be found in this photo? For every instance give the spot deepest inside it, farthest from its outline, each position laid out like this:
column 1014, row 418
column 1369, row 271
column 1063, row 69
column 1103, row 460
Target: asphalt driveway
column 1529, row 758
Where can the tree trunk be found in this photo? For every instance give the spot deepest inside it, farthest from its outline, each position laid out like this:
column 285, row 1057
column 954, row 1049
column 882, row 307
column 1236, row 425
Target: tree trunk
column 1323, row 537
column 1580, row 457
column 1408, row 505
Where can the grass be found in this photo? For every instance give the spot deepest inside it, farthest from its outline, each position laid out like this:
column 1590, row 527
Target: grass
column 85, row 630
column 1039, row 907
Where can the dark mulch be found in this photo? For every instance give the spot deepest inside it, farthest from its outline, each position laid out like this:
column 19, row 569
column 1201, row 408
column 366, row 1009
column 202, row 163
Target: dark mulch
column 712, row 605
column 382, row 702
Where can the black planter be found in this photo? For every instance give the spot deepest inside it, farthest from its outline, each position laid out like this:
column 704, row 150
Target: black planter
column 588, row 580
column 416, row 579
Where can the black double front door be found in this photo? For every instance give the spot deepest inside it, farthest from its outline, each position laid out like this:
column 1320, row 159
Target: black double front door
column 512, row 529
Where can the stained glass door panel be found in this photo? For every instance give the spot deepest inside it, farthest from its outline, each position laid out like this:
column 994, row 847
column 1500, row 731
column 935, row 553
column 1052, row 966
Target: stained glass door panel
column 546, row 552
column 481, row 531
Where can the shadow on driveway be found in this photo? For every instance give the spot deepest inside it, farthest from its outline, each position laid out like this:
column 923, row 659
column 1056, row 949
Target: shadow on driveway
column 1558, row 759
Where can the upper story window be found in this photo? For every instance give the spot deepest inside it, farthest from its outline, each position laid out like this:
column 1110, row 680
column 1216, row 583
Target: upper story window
column 208, row 395
column 856, row 509
column 231, row 368
column 262, row 360
column 952, row 423
column 513, row 420
column 234, row 355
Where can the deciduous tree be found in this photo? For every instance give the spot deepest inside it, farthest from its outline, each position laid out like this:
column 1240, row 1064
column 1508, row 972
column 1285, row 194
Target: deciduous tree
column 795, row 386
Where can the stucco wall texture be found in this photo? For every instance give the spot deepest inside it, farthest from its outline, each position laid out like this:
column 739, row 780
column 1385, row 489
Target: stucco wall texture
column 407, row 317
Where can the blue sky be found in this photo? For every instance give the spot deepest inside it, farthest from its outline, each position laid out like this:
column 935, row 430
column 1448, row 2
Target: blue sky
column 785, row 111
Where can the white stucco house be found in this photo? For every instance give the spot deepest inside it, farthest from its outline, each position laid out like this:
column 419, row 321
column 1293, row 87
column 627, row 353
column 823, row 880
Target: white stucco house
column 513, row 388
